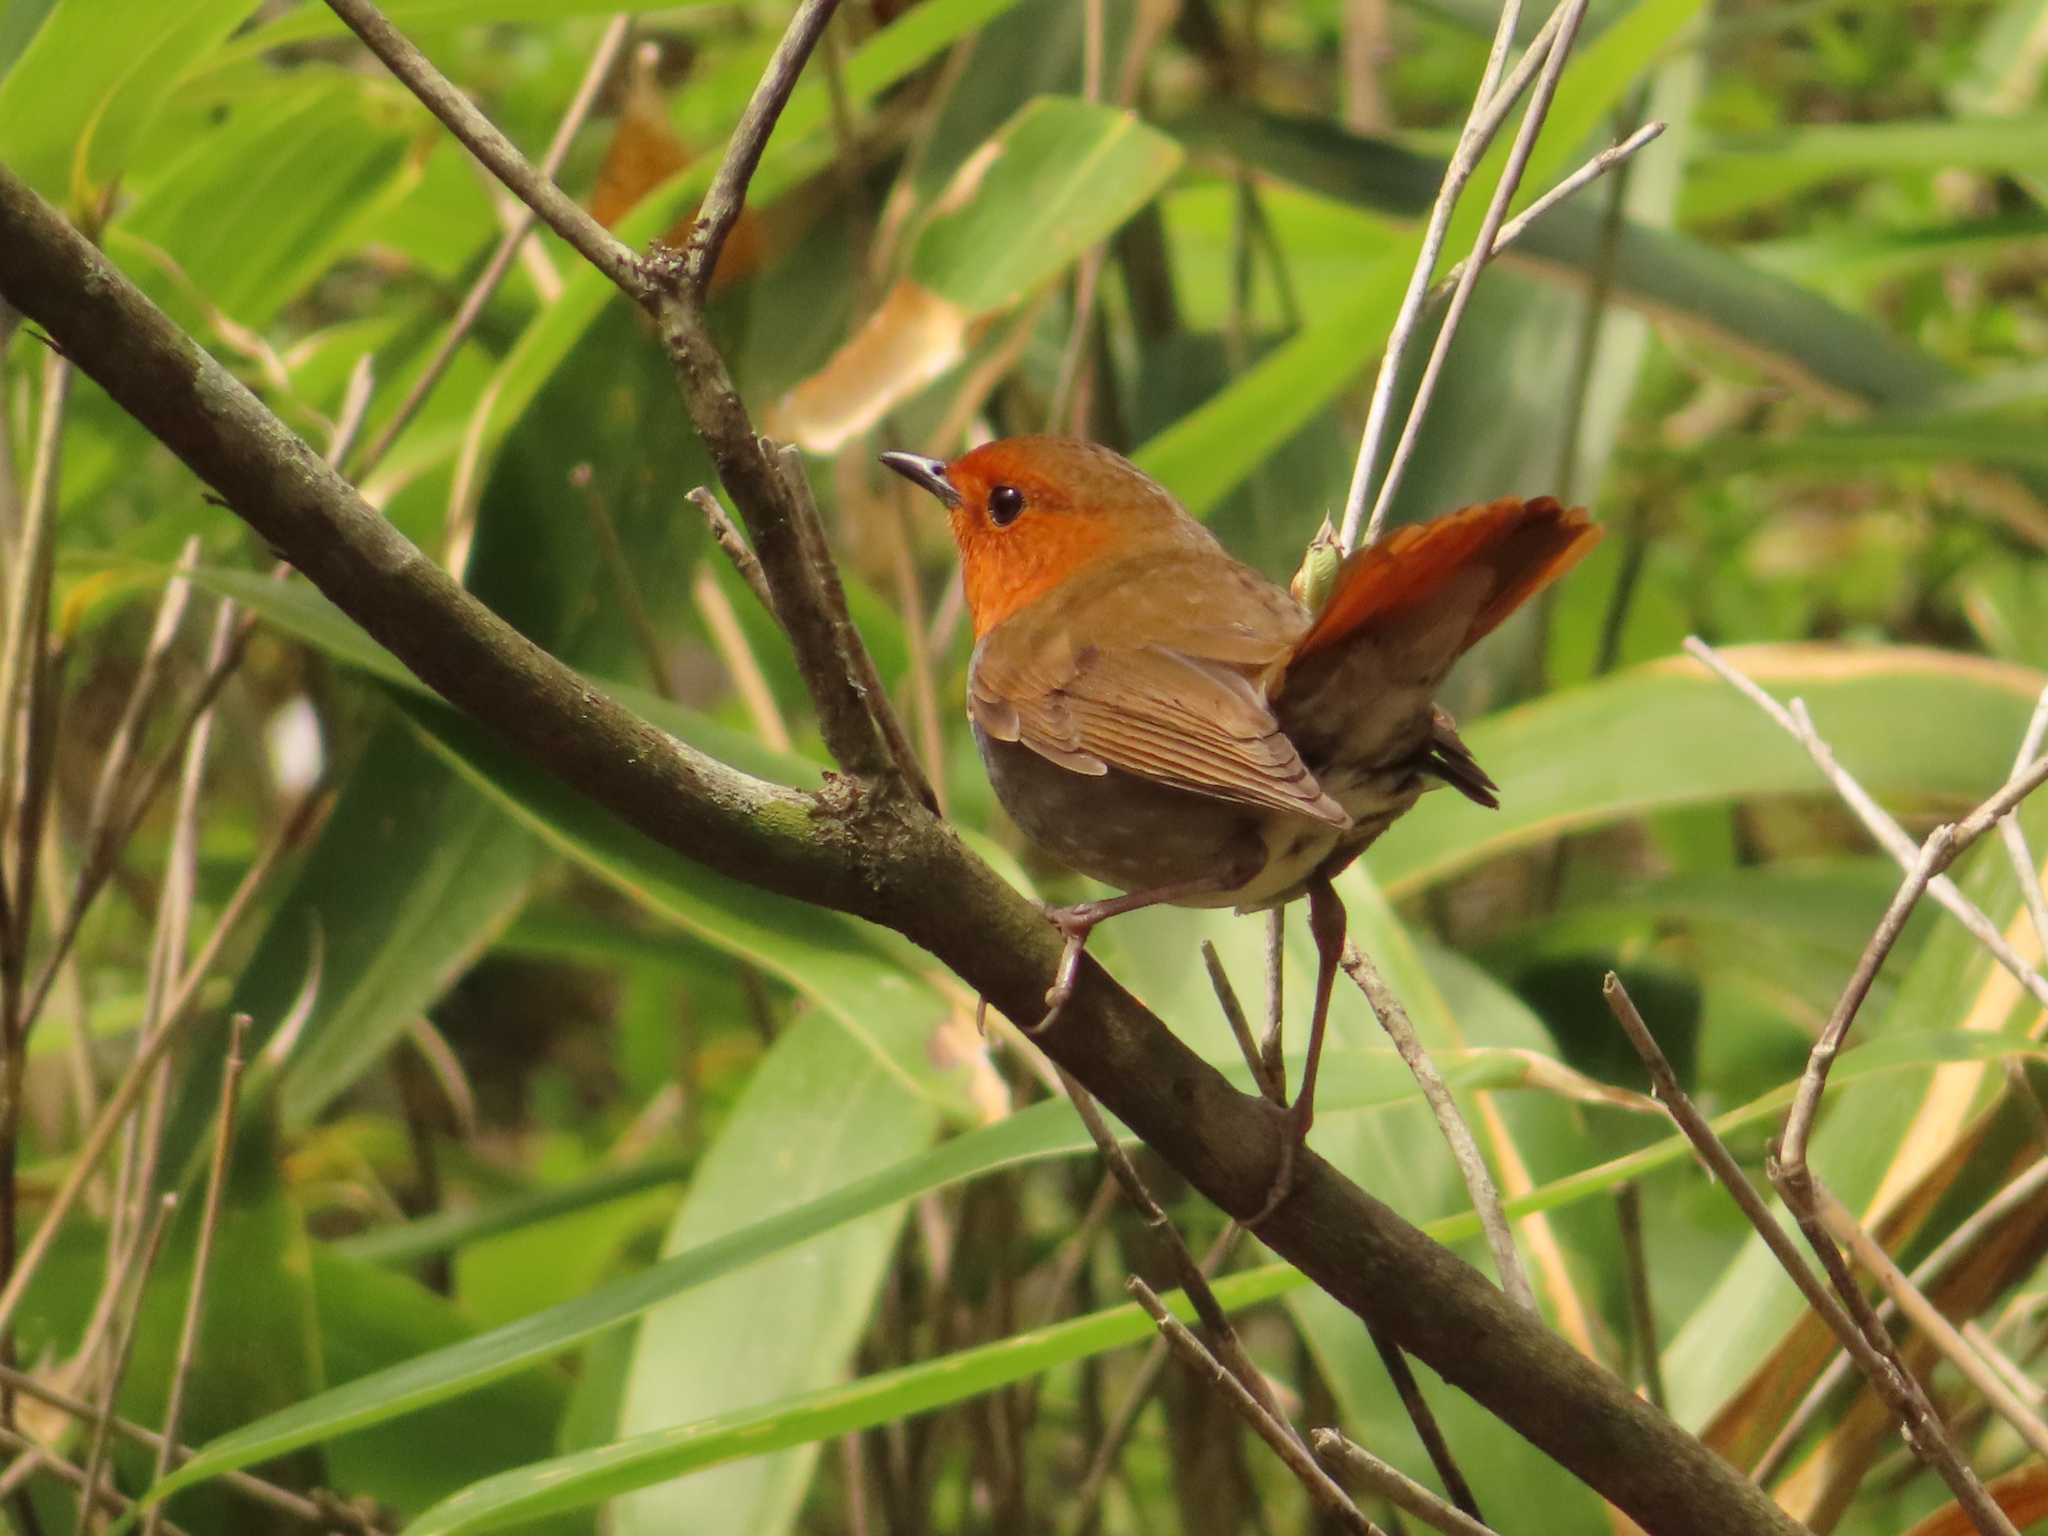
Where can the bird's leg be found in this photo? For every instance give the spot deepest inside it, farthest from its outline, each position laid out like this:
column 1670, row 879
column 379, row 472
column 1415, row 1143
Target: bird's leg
column 1326, row 923
column 1075, row 923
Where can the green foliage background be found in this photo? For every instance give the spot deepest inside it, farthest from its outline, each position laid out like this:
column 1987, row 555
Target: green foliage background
column 598, row 1189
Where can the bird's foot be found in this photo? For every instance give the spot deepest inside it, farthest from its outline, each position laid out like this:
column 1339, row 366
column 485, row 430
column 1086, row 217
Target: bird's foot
column 1075, row 923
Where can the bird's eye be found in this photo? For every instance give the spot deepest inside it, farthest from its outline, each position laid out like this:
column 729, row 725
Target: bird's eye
column 1005, row 503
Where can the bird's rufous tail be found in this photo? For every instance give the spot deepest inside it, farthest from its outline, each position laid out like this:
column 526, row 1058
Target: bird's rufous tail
column 1526, row 545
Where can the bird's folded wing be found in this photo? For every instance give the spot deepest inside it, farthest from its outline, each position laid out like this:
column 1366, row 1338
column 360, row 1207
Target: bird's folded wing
column 1149, row 710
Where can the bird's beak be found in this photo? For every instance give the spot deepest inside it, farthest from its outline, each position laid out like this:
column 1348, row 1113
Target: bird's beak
column 927, row 473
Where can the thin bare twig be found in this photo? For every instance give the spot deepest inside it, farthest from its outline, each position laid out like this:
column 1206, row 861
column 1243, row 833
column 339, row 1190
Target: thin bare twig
column 115, row 1111
column 863, row 692
column 209, row 1225
column 1583, row 177
column 602, row 62
column 1276, row 999
column 356, row 396
column 1480, row 127
column 1939, row 851
column 124, row 1350
column 1888, row 833
column 729, row 538
column 28, row 597
column 1240, row 1026
column 142, row 693
column 1628, row 1209
column 1394, row 1485
column 281, row 1499
column 1402, row 1375
column 1924, row 1315
column 34, row 1456
column 2010, row 1371
column 560, row 212
column 1192, row 1280
column 728, row 194
column 1572, row 13
column 1472, row 1168
column 1981, row 1224
column 606, row 532
column 1322, row 1488
column 729, row 639
column 2015, row 837
column 1901, row 1393
column 1081, row 1512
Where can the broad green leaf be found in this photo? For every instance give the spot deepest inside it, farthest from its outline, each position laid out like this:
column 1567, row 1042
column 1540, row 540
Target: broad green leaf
column 264, row 200
column 90, row 81
column 588, row 1477
column 414, row 876
column 821, row 1113
column 859, row 975
column 1206, row 453
column 1739, row 174
column 1672, row 734
column 1352, row 1080
column 1059, row 176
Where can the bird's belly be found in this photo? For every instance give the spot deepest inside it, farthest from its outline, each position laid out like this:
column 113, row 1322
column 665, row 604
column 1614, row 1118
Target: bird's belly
column 1128, row 831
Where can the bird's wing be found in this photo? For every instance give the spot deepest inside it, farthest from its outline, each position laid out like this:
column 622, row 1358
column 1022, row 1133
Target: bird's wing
column 1146, row 708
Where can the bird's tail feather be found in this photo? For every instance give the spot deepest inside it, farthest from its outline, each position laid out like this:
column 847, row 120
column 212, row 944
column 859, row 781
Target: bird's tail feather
column 1525, row 546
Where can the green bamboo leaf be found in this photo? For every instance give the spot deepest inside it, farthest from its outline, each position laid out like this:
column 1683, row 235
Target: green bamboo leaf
column 76, row 101
column 1576, row 759
column 1058, row 177
column 1862, row 446
column 371, row 1319
column 1739, row 174
column 266, row 198
column 705, row 1353
column 873, row 984
column 408, row 1242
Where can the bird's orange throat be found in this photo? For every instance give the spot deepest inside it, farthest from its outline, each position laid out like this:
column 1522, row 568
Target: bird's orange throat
column 1008, row 569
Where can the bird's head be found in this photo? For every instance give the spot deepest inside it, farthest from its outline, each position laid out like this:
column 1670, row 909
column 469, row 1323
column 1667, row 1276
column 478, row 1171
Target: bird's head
column 1030, row 513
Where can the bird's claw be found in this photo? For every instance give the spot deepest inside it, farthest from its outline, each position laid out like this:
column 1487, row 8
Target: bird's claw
column 1075, row 924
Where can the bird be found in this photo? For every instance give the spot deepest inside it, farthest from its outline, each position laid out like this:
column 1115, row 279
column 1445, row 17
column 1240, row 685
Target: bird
column 1161, row 717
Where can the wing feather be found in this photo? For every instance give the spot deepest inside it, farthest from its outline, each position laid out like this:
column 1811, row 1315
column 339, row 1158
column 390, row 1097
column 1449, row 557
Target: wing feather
column 1148, row 709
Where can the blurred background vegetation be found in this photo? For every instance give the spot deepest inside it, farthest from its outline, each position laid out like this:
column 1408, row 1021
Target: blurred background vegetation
column 551, row 1143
